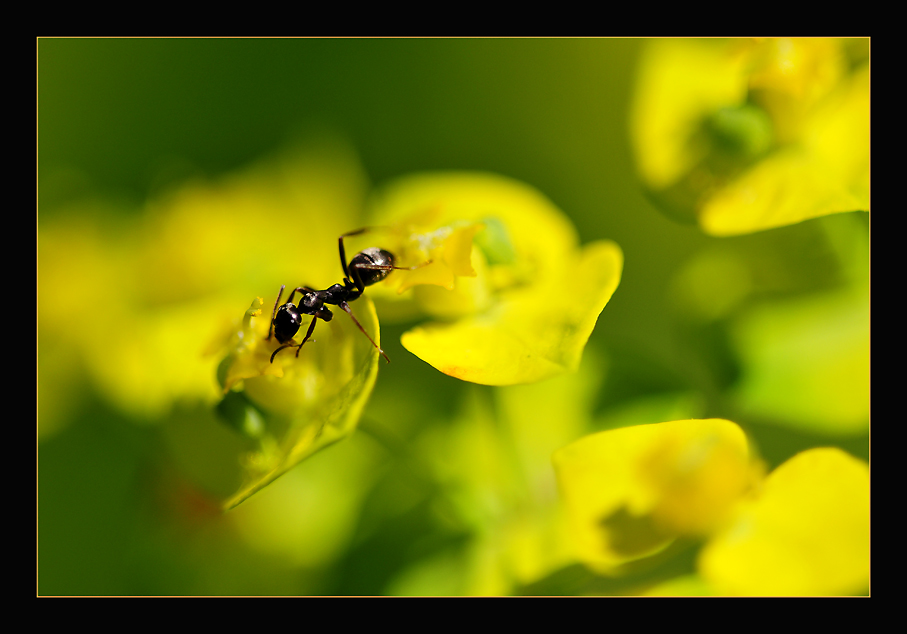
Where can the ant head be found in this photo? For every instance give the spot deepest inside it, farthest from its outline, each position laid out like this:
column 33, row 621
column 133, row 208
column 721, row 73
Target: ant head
column 372, row 256
column 313, row 304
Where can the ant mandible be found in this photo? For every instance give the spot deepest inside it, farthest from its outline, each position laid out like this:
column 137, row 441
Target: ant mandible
column 367, row 267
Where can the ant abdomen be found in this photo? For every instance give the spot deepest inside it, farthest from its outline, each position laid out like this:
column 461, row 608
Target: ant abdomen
column 286, row 322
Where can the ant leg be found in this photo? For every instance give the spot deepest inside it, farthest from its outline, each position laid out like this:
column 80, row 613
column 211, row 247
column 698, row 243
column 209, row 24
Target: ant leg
column 299, row 289
column 346, row 307
column 286, row 345
column 292, row 345
column 307, row 334
column 273, row 315
column 346, row 271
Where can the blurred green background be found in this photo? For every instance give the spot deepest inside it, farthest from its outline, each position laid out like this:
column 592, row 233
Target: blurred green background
column 126, row 120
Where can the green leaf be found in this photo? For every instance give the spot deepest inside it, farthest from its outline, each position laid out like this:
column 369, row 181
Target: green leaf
column 806, row 363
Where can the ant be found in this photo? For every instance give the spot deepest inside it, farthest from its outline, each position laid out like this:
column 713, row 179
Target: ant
column 367, row 267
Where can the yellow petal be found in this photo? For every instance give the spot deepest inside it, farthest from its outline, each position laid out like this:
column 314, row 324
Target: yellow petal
column 828, row 172
column 744, row 135
column 449, row 261
column 807, row 534
column 538, row 233
column 630, row 492
column 680, row 83
column 528, row 335
column 465, row 297
column 789, row 187
column 458, row 250
column 435, row 274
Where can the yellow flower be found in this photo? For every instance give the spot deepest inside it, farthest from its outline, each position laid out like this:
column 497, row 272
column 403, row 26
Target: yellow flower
column 806, row 534
column 802, row 530
column 144, row 295
column 146, row 300
column 514, row 294
column 146, row 326
column 306, row 402
column 747, row 135
column 630, row 492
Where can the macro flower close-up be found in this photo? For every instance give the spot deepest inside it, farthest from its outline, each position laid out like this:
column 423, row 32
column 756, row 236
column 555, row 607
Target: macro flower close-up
column 453, row 317
column 802, row 529
column 500, row 255
column 480, row 279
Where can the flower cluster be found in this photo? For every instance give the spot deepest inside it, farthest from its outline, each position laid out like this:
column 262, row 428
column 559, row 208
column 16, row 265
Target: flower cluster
column 501, row 256
column 484, row 257
column 631, row 493
column 746, row 135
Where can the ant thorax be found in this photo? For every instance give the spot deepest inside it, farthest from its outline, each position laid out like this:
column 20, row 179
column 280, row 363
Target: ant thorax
column 311, row 301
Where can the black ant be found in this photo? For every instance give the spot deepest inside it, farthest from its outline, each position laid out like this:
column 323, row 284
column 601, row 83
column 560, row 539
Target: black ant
column 366, row 268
